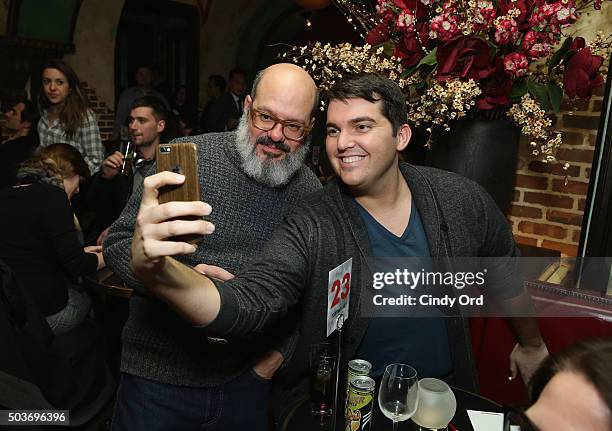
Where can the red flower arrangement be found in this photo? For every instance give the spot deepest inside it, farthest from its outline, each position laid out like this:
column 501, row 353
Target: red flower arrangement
column 485, row 58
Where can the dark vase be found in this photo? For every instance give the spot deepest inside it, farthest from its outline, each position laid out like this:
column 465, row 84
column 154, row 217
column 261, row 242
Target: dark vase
column 485, row 151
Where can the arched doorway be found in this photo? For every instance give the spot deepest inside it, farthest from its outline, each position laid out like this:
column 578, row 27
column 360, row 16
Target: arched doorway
column 165, row 35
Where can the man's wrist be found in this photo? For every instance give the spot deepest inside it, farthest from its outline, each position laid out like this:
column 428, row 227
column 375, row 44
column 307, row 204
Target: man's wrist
column 532, row 344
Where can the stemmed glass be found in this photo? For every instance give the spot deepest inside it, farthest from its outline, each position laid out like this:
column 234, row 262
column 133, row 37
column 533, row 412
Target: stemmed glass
column 398, row 396
column 322, row 363
column 437, row 404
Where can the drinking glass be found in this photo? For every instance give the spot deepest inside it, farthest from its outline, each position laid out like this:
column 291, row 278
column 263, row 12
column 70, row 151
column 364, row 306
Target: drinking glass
column 398, row 396
column 437, row 405
column 322, row 363
column 127, row 149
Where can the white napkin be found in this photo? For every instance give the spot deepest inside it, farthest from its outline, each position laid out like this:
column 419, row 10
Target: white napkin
column 486, row 421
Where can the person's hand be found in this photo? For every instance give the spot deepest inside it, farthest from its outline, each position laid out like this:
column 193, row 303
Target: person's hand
column 212, row 271
column 112, row 165
column 155, row 223
column 267, row 366
column 102, row 236
column 101, row 263
column 97, row 250
column 526, row 359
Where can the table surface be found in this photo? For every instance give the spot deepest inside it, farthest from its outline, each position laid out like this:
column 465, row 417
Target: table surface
column 109, row 283
column 301, row 420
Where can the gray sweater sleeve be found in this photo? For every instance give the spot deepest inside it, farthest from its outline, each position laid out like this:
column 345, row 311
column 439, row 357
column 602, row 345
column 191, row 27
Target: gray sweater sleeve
column 272, row 284
column 499, row 252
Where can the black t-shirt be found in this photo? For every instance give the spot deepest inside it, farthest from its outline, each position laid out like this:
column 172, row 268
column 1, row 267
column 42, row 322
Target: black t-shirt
column 38, row 240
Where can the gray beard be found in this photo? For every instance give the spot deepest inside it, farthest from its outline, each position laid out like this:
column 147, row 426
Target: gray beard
column 272, row 173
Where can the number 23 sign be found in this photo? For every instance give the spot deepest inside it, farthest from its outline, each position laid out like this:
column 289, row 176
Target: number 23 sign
column 338, row 294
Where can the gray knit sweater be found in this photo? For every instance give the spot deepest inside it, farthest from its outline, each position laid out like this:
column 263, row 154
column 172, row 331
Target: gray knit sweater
column 159, row 345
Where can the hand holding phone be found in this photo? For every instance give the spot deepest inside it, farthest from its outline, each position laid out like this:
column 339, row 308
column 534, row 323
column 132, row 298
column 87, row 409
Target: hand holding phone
column 180, row 158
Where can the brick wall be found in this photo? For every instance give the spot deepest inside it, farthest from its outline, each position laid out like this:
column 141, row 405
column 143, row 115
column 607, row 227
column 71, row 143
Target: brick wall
column 106, row 116
column 547, row 212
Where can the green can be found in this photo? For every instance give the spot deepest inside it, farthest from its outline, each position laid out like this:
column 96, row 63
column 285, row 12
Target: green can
column 359, row 404
column 356, row 367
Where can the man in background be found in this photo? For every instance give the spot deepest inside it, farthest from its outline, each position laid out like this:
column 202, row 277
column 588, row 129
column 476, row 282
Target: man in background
column 225, row 114
column 216, row 89
column 20, row 139
column 111, row 189
column 143, row 87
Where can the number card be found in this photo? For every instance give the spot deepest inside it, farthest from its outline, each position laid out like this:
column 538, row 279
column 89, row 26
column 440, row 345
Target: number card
column 338, row 294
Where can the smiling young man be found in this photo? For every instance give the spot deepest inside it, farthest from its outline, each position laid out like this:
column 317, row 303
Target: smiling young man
column 251, row 176
column 376, row 207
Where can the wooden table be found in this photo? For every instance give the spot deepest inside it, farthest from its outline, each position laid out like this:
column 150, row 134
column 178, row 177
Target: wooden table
column 108, row 283
column 301, row 420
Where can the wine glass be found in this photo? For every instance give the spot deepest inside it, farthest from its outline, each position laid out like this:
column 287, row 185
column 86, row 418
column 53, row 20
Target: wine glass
column 437, row 404
column 399, row 393
column 322, row 363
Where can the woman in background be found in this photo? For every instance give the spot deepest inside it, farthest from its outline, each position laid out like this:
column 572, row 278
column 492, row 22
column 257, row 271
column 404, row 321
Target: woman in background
column 65, row 115
column 572, row 390
column 38, row 235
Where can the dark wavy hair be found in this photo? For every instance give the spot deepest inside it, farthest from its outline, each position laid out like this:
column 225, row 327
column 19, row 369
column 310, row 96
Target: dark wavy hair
column 373, row 88
column 590, row 358
column 73, row 113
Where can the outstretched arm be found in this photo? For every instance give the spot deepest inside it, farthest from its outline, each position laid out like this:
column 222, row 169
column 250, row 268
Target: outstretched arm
column 191, row 294
column 258, row 298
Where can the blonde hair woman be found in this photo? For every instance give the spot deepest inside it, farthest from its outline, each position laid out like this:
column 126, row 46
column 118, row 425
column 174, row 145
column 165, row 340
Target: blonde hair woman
column 38, row 236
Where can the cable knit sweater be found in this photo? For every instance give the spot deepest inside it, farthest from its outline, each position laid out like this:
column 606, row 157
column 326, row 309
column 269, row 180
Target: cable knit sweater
column 159, row 345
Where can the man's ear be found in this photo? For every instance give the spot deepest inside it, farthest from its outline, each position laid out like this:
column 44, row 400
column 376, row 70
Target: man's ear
column 161, row 125
column 247, row 102
column 403, row 137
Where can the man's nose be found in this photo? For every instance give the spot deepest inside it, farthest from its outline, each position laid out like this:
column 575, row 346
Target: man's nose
column 345, row 141
column 276, row 133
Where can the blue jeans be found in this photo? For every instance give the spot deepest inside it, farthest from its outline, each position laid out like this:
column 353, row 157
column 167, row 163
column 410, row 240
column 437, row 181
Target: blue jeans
column 146, row 405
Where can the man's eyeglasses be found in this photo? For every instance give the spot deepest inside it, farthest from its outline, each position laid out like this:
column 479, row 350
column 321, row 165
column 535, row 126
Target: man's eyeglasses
column 516, row 420
column 291, row 130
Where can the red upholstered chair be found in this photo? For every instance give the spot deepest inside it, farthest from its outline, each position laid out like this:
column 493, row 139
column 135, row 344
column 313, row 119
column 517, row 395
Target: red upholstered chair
column 585, row 316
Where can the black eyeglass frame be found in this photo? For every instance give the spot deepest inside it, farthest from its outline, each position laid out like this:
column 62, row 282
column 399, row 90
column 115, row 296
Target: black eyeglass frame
column 305, row 129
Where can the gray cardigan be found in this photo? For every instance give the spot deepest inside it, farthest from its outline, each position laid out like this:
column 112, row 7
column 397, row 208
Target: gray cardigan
column 290, row 277
column 159, row 345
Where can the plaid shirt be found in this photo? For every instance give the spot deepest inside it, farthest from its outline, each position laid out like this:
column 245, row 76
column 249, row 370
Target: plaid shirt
column 86, row 139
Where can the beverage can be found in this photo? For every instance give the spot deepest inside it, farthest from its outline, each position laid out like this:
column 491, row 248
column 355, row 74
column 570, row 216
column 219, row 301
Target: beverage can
column 356, row 367
column 359, row 404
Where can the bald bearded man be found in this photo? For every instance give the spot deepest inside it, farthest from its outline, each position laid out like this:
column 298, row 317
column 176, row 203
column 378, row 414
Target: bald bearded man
column 172, row 376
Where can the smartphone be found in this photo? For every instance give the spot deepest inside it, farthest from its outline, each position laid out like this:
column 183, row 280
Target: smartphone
column 180, row 158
